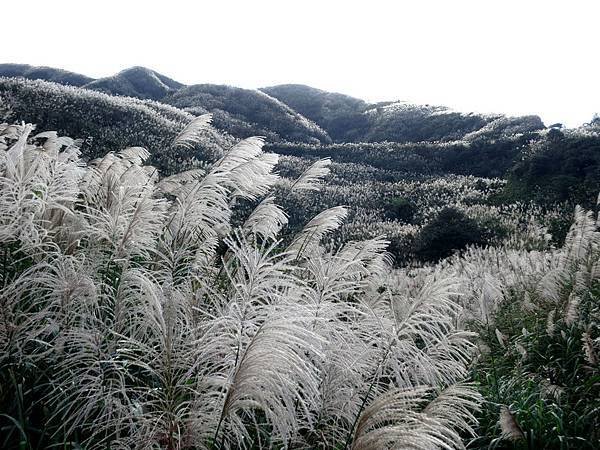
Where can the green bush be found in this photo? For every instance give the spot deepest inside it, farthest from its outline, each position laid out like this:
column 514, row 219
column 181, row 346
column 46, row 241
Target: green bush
column 400, row 208
column 450, row 231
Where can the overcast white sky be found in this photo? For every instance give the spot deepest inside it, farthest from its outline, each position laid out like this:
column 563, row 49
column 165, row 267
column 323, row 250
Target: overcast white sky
column 511, row 56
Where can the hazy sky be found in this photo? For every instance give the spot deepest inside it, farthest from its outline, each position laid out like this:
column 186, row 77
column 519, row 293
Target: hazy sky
column 511, row 56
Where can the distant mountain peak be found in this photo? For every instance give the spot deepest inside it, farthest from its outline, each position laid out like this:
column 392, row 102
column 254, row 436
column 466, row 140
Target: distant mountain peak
column 137, row 81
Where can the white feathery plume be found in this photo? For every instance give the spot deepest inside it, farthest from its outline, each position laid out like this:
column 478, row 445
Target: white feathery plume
column 240, row 153
column 501, row 338
column 411, row 418
column 272, row 374
column 370, row 255
column 509, row 425
column 134, row 155
column 588, row 348
column 54, row 143
column 312, row 233
column 15, row 161
column 198, row 217
column 550, row 325
column 254, row 178
column 266, row 220
column 37, row 190
column 171, row 184
column 572, row 309
column 581, row 239
column 193, row 132
column 311, row 178
column 257, row 274
column 125, row 214
column 429, row 314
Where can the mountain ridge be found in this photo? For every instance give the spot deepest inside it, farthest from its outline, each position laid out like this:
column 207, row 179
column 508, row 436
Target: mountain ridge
column 295, row 112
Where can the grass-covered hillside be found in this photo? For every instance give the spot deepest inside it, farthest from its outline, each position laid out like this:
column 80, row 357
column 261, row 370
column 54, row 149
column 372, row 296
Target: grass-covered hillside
column 349, row 119
column 295, row 113
column 340, row 115
column 239, row 112
column 246, row 112
column 423, row 164
column 102, row 122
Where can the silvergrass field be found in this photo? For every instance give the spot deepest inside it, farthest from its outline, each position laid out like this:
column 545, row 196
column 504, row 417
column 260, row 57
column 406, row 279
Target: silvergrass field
column 360, row 276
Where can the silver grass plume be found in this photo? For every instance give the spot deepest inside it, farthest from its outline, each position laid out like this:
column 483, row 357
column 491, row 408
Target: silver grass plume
column 37, row 192
column 410, row 418
column 266, row 220
column 247, row 171
column 173, row 347
column 429, row 313
column 171, row 184
column 314, row 231
column 272, row 374
column 591, row 355
column 311, row 178
column 509, row 425
column 500, row 337
column 581, row 239
column 191, row 134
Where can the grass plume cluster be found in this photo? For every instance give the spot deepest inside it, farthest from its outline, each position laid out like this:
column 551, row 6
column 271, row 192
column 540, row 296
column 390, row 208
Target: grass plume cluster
column 135, row 313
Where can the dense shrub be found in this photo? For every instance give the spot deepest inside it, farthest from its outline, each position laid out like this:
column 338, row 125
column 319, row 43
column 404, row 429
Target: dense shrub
column 449, row 232
column 400, row 208
column 563, row 167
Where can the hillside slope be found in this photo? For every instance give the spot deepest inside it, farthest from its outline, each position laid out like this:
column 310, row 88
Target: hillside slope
column 341, row 115
column 404, row 122
column 104, row 122
column 239, row 112
column 348, row 119
column 246, row 112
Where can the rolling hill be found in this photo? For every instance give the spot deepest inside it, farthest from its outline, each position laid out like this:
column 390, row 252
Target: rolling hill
column 104, row 122
column 348, row 119
column 246, row 112
column 239, row 112
column 341, row 115
column 44, row 73
column 138, row 82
